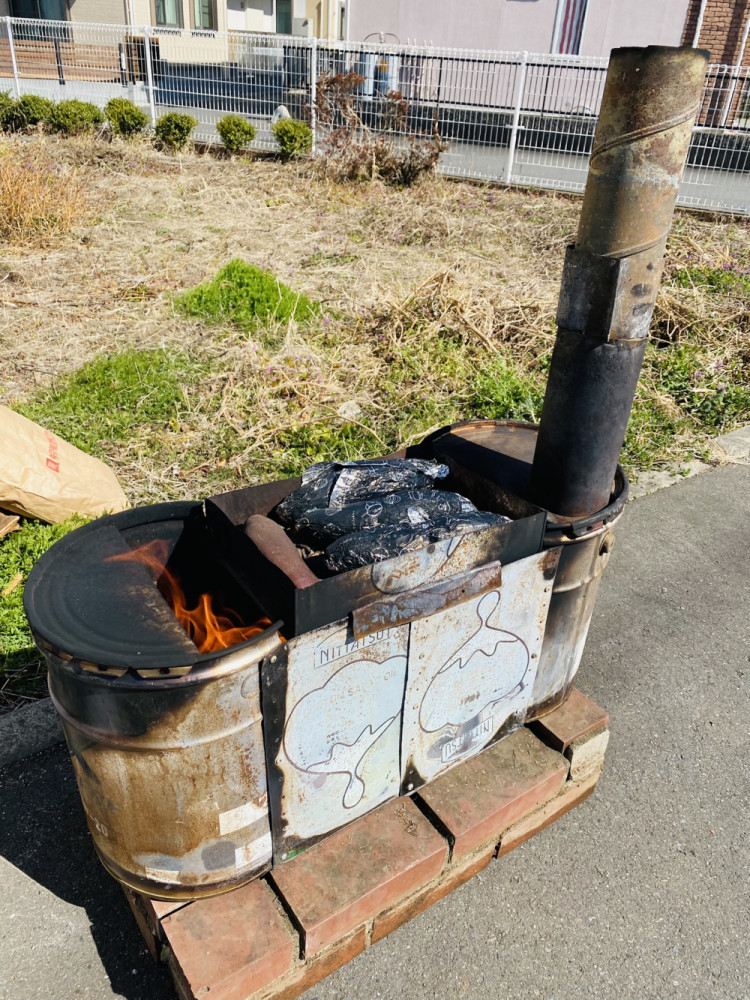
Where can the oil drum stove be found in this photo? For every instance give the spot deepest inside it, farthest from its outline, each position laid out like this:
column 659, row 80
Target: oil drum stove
column 226, row 708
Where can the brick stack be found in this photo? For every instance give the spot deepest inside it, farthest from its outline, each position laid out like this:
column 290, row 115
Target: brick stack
column 279, row 935
column 721, row 31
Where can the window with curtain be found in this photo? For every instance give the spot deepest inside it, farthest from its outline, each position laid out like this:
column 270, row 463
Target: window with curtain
column 204, row 15
column 569, row 25
column 168, row 13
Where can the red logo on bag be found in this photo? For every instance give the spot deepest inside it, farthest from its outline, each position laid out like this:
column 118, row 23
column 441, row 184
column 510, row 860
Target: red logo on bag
column 52, row 462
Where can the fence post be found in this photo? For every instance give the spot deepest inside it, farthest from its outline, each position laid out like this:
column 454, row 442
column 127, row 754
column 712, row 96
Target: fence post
column 149, row 73
column 14, row 64
column 58, row 60
column 516, row 116
column 313, row 90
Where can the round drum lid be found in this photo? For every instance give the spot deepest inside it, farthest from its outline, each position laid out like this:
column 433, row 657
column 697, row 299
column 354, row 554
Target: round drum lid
column 86, row 598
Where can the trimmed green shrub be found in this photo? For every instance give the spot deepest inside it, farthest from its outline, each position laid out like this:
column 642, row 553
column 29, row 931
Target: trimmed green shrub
column 294, row 138
column 6, row 101
column 235, row 132
column 26, row 111
column 173, row 129
column 75, row 117
column 125, row 118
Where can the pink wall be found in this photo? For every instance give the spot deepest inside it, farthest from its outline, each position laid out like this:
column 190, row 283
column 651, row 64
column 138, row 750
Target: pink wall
column 648, row 22
column 509, row 25
column 514, row 25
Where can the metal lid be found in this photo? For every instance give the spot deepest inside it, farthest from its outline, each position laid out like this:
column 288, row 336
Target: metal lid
column 86, row 600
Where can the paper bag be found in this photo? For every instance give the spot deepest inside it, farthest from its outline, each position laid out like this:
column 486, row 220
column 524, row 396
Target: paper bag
column 43, row 476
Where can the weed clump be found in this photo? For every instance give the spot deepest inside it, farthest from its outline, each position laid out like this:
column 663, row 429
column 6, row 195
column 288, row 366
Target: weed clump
column 235, row 132
column 125, row 119
column 21, row 663
column 730, row 278
column 75, row 117
column 27, row 111
column 351, row 151
column 173, row 130
column 295, row 138
column 247, row 297
column 38, row 198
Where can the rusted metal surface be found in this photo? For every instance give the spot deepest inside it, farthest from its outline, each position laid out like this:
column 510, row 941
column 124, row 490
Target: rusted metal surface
column 333, row 728
column 612, row 273
column 609, row 298
column 166, row 742
column 423, row 602
column 503, row 451
column 333, row 702
column 574, row 593
column 172, row 773
column 650, row 101
column 472, row 668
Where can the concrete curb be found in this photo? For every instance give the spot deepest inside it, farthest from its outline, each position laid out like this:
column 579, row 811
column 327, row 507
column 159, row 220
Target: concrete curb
column 28, row 730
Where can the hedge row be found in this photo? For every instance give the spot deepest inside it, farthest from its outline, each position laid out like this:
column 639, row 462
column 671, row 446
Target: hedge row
column 171, row 131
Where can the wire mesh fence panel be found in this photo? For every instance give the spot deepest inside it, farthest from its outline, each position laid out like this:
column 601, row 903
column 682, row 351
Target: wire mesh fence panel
column 526, row 119
column 717, row 174
column 559, row 112
column 63, row 60
column 211, row 74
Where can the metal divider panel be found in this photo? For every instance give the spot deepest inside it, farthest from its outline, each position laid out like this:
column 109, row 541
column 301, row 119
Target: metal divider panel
column 472, row 668
column 339, row 750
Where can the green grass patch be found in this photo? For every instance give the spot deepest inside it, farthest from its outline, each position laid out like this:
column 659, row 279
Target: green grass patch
column 728, row 279
column 713, row 392
column 503, row 392
column 247, row 297
column 116, row 397
column 21, row 664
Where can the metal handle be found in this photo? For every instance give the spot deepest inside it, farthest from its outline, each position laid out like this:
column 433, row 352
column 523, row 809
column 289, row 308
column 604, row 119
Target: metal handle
column 398, row 609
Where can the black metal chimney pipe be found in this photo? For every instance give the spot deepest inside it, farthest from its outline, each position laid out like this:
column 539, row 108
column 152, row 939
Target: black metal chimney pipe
column 612, row 273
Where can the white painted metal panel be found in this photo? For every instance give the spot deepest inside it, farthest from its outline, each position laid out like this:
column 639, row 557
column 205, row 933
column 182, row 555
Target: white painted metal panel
column 339, row 754
column 472, row 669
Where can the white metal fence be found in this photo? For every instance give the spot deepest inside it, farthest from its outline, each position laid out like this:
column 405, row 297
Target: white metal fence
column 513, row 117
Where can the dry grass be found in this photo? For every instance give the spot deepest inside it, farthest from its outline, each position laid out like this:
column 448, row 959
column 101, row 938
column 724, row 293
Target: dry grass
column 39, row 198
column 423, row 291
column 438, row 304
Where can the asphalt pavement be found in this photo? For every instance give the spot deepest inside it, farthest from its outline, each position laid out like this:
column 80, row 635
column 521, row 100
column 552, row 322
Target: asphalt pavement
column 643, row 891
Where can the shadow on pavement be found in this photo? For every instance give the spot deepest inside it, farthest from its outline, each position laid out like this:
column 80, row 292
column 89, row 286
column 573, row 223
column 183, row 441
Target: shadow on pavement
column 43, row 833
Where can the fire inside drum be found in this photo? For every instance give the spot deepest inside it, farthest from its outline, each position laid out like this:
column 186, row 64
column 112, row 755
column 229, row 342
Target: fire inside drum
column 166, row 743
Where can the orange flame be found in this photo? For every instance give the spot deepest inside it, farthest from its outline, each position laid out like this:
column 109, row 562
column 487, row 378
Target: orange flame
column 210, row 630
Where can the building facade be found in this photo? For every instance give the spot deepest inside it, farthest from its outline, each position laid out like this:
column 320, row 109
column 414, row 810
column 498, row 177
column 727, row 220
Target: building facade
column 721, row 26
column 575, row 27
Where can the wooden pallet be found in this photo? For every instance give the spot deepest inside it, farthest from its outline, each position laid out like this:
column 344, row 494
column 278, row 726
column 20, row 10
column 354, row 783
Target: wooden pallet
column 282, row 933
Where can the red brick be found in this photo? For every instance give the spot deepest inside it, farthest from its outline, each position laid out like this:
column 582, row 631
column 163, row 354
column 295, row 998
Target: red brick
column 148, row 914
column 318, row 967
column 418, row 902
column 230, row 946
column 576, row 716
column 478, row 799
column 572, row 794
column 355, row 873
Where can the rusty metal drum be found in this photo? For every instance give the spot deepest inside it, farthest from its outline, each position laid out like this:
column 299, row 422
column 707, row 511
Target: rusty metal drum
column 503, row 451
column 166, row 741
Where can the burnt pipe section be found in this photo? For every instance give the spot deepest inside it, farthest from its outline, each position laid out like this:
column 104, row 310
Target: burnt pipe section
column 612, row 273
